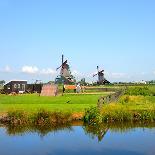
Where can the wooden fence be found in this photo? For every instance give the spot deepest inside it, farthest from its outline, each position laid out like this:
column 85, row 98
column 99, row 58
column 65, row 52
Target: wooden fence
column 113, row 97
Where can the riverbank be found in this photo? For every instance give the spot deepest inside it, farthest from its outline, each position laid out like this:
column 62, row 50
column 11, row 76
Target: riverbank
column 127, row 109
column 138, row 104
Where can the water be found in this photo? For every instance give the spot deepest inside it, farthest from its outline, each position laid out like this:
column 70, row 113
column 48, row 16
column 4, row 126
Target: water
column 79, row 140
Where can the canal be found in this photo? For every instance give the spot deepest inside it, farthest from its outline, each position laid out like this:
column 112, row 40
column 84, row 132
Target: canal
column 128, row 139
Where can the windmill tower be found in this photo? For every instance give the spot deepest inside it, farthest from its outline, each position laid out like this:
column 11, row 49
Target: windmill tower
column 65, row 73
column 101, row 78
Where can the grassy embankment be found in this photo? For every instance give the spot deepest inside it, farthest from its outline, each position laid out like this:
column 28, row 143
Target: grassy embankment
column 137, row 105
column 35, row 109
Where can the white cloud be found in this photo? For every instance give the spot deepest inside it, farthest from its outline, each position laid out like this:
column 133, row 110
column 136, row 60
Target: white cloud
column 48, row 71
column 36, row 70
column 7, row 69
column 118, row 75
column 143, row 73
column 75, row 73
column 30, row 69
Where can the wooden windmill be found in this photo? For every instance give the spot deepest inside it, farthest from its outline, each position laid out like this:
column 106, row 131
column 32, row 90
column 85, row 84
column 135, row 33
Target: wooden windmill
column 101, row 79
column 65, row 73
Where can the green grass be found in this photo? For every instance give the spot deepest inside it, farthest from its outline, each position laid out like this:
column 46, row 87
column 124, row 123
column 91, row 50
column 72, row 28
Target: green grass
column 124, row 109
column 128, row 108
column 33, row 102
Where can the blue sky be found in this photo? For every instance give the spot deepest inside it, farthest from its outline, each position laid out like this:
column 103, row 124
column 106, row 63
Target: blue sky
column 117, row 35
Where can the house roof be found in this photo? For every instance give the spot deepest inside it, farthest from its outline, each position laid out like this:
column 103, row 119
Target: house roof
column 14, row 81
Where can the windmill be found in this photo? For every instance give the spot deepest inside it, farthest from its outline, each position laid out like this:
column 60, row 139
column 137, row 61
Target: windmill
column 65, row 73
column 101, row 78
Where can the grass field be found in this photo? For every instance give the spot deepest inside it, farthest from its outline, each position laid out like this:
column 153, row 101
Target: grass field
column 77, row 103
column 33, row 102
column 132, row 103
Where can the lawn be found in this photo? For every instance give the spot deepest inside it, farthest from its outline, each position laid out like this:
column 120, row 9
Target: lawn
column 33, row 102
column 133, row 103
column 77, row 102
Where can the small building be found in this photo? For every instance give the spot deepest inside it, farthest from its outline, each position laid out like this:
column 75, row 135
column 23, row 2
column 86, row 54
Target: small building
column 18, row 86
column 34, row 88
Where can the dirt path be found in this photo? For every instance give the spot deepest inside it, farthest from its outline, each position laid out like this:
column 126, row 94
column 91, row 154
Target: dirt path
column 90, row 93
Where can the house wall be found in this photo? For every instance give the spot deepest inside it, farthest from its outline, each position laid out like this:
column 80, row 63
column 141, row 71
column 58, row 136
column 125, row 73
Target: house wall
column 15, row 86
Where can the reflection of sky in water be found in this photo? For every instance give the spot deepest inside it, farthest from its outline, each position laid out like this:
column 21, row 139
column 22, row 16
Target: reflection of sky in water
column 137, row 141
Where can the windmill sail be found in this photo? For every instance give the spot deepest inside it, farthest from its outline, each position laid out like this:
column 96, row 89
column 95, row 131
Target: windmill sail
column 65, row 73
column 101, row 78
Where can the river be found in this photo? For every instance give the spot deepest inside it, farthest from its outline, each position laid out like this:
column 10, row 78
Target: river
column 79, row 140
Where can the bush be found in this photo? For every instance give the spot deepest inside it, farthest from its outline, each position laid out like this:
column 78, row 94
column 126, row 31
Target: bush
column 17, row 117
column 40, row 118
column 145, row 91
column 92, row 115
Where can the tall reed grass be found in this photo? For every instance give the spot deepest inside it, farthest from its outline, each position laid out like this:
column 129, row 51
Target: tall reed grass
column 39, row 118
column 95, row 116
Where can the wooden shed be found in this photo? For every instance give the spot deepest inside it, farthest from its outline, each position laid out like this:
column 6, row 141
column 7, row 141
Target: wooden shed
column 18, row 86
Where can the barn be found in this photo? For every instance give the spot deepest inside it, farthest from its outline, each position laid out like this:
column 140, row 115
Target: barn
column 18, row 86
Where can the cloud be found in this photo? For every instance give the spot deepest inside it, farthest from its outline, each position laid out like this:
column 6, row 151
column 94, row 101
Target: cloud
column 75, row 73
column 7, row 69
column 36, row 70
column 143, row 73
column 118, row 75
column 48, row 71
column 30, row 69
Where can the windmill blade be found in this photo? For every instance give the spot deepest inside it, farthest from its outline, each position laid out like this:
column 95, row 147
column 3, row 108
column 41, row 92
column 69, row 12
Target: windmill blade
column 58, row 67
column 95, row 74
column 101, row 71
column 62, row 65
column 97, row 68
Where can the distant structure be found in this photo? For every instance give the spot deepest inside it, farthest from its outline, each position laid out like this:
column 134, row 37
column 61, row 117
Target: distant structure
column 17, row 86
column 101, row 78
column 140, row 82
column 65, row 76
column 35, row 87
column 49, row 90
column 21, row 86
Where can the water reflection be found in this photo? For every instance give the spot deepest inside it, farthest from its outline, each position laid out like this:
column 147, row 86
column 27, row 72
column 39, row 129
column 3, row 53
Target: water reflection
column 78, row 139
column 100, row 130
column 93, row 131
column 41, row 130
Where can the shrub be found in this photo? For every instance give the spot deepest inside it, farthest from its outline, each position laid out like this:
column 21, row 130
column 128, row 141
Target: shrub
column 92, row 115
column 145, row 91
column 17, row 117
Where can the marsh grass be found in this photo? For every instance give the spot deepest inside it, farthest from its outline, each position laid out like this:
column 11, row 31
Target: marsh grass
column 117, row 114
column 141, row 90
column 39, row 118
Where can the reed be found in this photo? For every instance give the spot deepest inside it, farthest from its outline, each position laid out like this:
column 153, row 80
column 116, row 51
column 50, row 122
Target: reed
column 39, row 118
column 118, row 114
